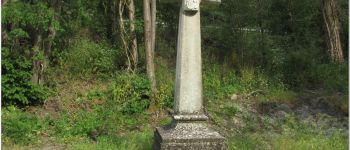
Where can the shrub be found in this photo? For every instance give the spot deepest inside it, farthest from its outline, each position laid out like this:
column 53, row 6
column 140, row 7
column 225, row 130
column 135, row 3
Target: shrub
column 218, row 86
column 130, row 93
column 330, row 76
column 85, row 56
column 17, row 88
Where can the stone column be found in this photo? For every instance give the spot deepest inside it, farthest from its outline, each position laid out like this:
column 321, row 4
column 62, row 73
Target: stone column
column 189, row 129
column 188, row 85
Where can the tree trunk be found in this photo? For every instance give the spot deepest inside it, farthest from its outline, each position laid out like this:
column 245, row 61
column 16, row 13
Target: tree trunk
column 134, row 52
column 3, row 2
column 113, row 20
column 148, row 44
column 38, row 65
column 154, row 25
column 332, row 25
column 57, row 6
column 123, row 33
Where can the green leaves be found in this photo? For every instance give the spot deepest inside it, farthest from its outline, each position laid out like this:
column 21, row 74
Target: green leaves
column 38, row 15
column 18, row 33
column 17, row 88
column 21, row 127
column 85, row 56
column 130, row 93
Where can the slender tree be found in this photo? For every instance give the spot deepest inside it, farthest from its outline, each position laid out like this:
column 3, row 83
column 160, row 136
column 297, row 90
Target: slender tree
column 124, row 33
column 332, row 25
column 134, row 52
column 148, row 44
column 154, row 25
column 38, row 65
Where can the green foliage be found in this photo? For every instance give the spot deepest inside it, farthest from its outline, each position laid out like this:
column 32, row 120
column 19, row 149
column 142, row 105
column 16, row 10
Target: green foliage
column 37, row 15
column 273, row 46
column 244, row 142
column 333, row 77
column 218, row 86
column 17, row 88
column 130, row 93
column 309, row 140
column 84, row 123
column 284, row 39
column 289, row 133
column 132, row 141
column 22, row 22
column 18, row 33
column 85, row 56
column 21, row 127
column 104, row 113
column 288, row 141
column 166, row 82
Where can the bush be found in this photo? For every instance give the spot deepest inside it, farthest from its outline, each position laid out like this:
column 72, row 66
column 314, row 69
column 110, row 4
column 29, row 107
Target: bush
column 218, row 87
column 130, row 93
column 21, row 127
column 85, row 56
column 330, row 76
column 17, row 88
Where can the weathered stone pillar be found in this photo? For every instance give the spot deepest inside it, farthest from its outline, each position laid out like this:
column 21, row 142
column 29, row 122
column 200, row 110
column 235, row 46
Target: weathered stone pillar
column 189, row 129
column 188, row 85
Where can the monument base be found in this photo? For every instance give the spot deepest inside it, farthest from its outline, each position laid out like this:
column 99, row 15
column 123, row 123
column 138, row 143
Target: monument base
column 188, row 136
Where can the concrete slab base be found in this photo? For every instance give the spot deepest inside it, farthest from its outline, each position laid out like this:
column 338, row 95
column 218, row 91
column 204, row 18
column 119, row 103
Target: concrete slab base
column 188, row 136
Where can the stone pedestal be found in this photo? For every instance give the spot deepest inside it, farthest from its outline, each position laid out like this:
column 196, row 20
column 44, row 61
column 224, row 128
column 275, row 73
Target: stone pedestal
column 188, row 132
column 188, row 135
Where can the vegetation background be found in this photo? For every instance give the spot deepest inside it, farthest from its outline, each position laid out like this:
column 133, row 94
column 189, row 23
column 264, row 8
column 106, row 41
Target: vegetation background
column 99, row 74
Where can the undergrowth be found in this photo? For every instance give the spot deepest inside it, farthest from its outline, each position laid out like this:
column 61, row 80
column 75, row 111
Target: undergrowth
column 118, row 117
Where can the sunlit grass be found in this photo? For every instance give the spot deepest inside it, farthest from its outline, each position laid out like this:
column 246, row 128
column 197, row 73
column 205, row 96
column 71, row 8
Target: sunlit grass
column 132, row 141
column 294, row 140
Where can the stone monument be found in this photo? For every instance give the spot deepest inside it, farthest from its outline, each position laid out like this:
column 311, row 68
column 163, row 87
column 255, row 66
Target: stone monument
column 189, row 129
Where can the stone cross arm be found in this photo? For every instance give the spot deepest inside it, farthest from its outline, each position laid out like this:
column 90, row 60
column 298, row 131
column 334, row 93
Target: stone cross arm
column 174, row 1
column 190, row 5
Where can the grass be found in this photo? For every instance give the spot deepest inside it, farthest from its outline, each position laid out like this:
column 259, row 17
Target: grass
column 288, row 141
column 294, row 137
column 307, row 141
column 132, row 141
column 89, row 118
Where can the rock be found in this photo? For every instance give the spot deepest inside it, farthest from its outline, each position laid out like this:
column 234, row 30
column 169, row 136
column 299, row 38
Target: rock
column 234, row 97
column 329, row 132
column 320, row 102
column 303, row 112
column 339, row 94
column 281, row 114
column 284, row 107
